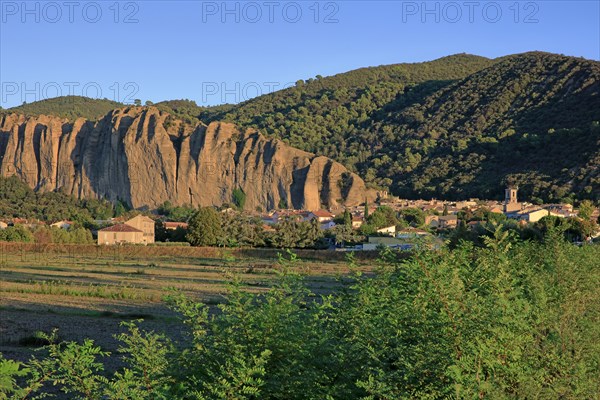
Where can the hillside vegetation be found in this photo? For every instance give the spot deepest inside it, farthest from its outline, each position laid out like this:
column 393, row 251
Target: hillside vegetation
column 461, row 126
column 70, row 107
column 17, row 200
column 455, row 127
column 531, row 119
column 329, row 116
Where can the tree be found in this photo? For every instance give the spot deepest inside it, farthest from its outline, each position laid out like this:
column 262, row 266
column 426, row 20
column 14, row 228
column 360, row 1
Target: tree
column 165, row 208
column 137, row 102
column 291, row 233
column 347, row 218
column 586, row 210
column 382, row 217
column 120, row 208
column 413, row 216
column 344, row 234
column 367, row 229
column 42, row 235
column 161, row 234
column 205, row 228
column 239, row 198
column 241, row 230
column 81, row 236
column 17, row 233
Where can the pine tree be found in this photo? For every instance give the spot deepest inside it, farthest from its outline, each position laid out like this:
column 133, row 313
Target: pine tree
column 347, row 218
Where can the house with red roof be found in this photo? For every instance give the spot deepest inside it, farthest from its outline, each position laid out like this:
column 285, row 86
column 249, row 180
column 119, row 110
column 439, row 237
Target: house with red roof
column 321, row 215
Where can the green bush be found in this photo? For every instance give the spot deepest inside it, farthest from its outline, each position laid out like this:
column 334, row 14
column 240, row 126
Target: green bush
column 17, row 233
column 239, row 198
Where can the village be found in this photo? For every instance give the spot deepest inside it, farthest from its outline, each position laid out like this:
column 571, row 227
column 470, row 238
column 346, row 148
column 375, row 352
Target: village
column 438, row 219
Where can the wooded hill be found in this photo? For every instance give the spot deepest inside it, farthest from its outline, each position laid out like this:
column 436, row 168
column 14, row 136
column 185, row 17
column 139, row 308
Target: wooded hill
column 457, row 127
column 461, row 126
column 70, row 107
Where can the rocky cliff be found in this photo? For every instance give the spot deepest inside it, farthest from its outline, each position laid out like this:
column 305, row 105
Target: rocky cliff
column 143, row 156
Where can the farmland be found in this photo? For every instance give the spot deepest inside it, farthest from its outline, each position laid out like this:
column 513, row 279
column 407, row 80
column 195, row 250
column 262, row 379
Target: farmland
column 87, row 291
column 512, row 319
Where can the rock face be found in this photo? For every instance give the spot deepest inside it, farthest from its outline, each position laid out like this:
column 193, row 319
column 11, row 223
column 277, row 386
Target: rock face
column 144, row 157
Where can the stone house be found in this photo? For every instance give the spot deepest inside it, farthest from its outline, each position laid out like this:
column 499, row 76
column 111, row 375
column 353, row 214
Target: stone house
column 357, row 221
column 448, row 221
column 511, row 203
column 137, row 230
column 144, row 224
column 432, row 221
column 171, row 226
column 441, row 221
column 120, row 234
column 532, row 215
column 327, row 225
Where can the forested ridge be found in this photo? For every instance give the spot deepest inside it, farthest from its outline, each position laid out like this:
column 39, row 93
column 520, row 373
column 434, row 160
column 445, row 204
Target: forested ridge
column 530, row 119
column 457, row 127
column 70, row 107
column 332, row 115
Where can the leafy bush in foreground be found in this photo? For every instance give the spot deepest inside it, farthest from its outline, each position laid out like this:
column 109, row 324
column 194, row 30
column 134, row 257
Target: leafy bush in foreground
column 511, row 320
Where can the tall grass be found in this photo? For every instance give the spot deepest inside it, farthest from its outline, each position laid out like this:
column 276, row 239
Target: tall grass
column 65, row 288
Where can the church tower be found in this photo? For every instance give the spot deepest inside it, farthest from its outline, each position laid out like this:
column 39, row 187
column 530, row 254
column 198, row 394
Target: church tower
column 511, row 204
column 510, row 195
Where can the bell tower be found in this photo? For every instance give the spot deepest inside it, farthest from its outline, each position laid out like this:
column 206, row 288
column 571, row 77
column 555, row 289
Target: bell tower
column 511, row 204
column 510, row 195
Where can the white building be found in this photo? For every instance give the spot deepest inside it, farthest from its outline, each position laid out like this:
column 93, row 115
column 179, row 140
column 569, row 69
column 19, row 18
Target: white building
column 388, row 230
column 64, row 224
column 532, row 215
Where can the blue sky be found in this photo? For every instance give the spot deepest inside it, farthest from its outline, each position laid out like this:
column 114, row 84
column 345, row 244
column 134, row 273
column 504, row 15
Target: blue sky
column 214, row 52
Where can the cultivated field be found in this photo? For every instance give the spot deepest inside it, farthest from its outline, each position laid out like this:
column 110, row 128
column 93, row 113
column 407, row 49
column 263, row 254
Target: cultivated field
column 86, row 291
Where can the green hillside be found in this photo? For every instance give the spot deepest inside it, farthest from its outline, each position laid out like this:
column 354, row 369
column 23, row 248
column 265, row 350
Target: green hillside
column 20, row 201
column 531, row 119
column 328, row 115
column 461, row 126
column 456, row 127
column 188, row 110
column 71, row 107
